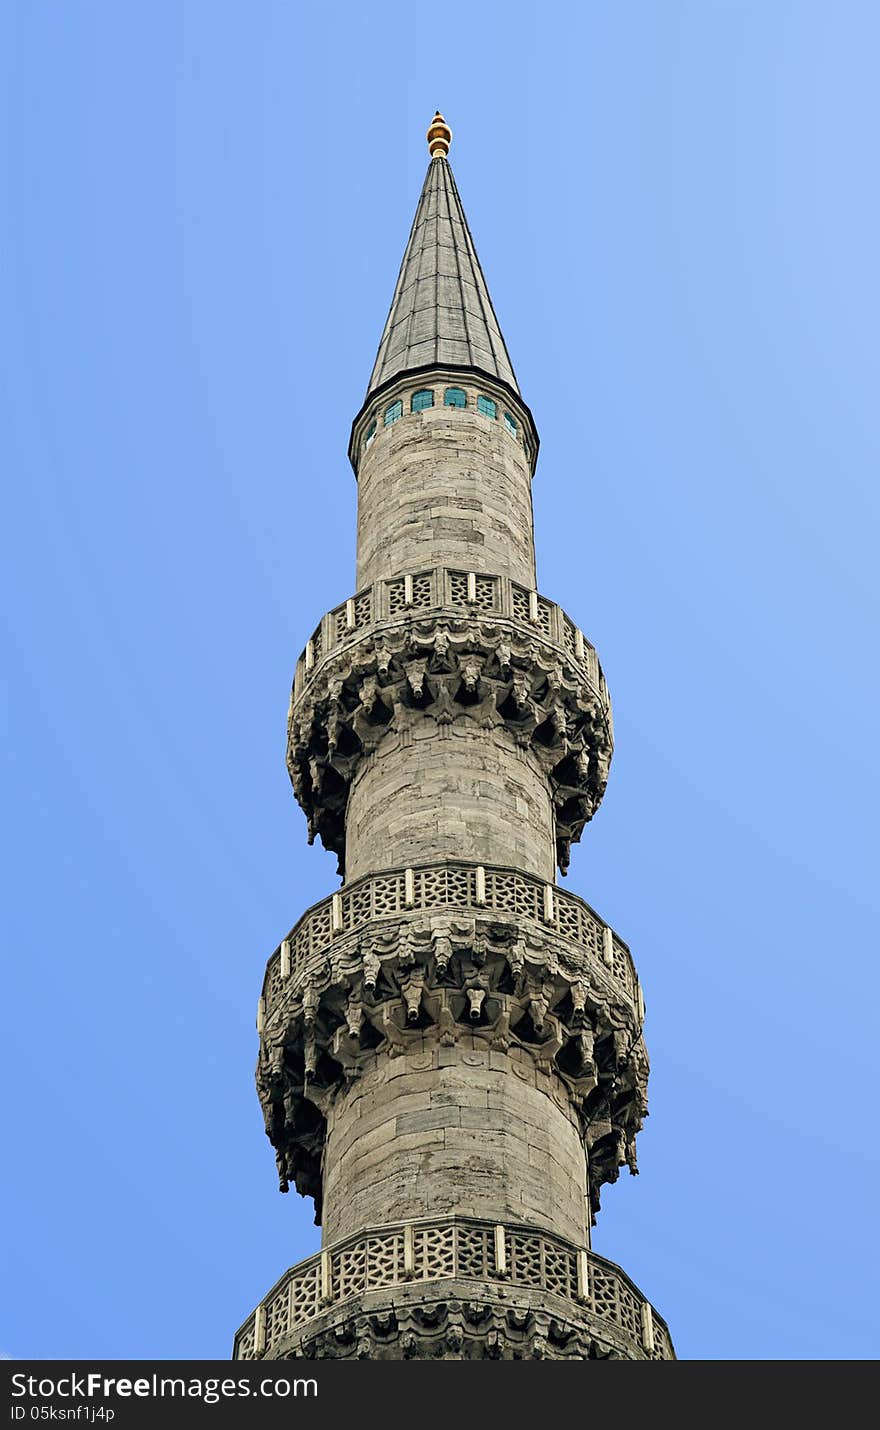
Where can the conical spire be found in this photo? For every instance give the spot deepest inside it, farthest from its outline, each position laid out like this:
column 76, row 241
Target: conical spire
column 441, row 312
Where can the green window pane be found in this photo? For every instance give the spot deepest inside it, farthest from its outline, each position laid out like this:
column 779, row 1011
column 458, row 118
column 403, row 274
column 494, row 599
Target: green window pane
column 393, row 412
column 455, row 397
column 423, row 399
column 510, row 424
column 487, row 407
column 370, row 435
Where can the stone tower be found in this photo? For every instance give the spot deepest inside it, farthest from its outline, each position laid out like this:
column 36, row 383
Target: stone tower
column 451, row 1059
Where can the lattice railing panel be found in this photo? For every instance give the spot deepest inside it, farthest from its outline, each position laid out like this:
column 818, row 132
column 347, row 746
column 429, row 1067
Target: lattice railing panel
column 525, row 1259
column 305, row 1299
column 485, row 595
column 475, row 1257
column 396, row 596
column 363, row 610
column 384, row 1260
column 320, row 926
column 544, row 618
column 521, row 603
column 386, row 890
column 351, row 1272
column 560, row 1270
column 662, row 1344
column 435, row 1252
column 421, row 591
column 603, row 1289
column 458, row 584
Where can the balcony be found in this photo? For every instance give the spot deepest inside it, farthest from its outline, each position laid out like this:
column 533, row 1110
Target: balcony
column 457, row 1257
column 458, row 593
column 468, row 889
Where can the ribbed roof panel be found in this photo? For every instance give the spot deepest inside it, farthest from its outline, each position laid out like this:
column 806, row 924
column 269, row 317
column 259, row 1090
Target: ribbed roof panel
column 441, row 311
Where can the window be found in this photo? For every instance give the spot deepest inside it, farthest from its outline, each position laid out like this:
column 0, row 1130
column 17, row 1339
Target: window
column 510, row 424
column 421, row 400
column 455, row 397
column 370, row 435
column 487, row 407
column 393, row 412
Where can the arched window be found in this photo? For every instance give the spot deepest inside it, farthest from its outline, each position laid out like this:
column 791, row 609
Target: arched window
column 455, row 397
column 393, row 412
column 370, row 435
column 510, row 424
column 487, row 406
column 421, row 400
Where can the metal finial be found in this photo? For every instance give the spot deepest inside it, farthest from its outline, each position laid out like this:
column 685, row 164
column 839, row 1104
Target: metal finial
column 439, row 137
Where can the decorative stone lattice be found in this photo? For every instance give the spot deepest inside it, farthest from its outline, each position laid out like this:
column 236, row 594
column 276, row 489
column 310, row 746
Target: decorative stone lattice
column 468, row 889
column 442, row 589
column 501, row 677
column 537, row 1298
column 455, row 979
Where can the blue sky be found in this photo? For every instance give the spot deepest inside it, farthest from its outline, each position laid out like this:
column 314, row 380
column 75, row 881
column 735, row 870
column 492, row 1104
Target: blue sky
column 202, row 211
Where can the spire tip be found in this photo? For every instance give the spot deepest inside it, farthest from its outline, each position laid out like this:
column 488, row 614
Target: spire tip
column 439, row 137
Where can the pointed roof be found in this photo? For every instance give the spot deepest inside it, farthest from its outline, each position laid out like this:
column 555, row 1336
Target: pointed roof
column 441, row 312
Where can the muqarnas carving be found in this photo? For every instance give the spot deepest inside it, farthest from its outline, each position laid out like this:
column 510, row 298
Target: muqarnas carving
column 445, row 670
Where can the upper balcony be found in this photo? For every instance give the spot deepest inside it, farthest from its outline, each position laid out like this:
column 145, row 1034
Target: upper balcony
column 449, row 646
column 466, row 890
column 457, row 593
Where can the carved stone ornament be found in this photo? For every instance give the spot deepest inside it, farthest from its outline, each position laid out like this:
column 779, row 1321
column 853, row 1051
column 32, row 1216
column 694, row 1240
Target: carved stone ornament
column 454, row 1288
column 502, row 677
column 453, row 1330
column 478, row 983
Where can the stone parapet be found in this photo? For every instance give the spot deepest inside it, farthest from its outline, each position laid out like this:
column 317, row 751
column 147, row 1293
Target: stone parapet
column 454, row 1288
column 444, row 890
column 443, row 590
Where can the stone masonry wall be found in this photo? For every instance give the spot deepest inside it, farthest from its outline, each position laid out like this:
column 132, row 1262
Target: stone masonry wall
column 451, row 792
column 475, row 1132
column 445, row 486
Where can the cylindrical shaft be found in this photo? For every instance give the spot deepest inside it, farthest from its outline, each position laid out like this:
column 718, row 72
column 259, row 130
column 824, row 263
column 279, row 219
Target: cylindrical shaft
column 463, row 794
column 446, row 485
column 453, row 1129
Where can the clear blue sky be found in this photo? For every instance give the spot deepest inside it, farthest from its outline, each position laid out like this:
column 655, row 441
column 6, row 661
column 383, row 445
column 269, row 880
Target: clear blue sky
column 202, row 211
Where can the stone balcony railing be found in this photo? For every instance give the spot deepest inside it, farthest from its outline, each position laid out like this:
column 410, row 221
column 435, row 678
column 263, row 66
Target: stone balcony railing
column 458, row 1250
column 459, row 593
column 469, row 889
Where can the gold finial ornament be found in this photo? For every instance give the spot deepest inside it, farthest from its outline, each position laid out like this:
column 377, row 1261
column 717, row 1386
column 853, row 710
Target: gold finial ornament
column 439, row 137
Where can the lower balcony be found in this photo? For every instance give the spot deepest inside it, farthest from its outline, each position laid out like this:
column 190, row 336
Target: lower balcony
column 454, row 1288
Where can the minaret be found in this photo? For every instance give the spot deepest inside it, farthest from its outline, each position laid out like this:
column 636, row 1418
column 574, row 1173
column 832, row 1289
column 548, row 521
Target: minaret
column 451, row 1059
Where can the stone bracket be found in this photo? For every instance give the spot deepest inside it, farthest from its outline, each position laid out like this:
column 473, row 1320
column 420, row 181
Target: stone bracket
column 446, row 670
